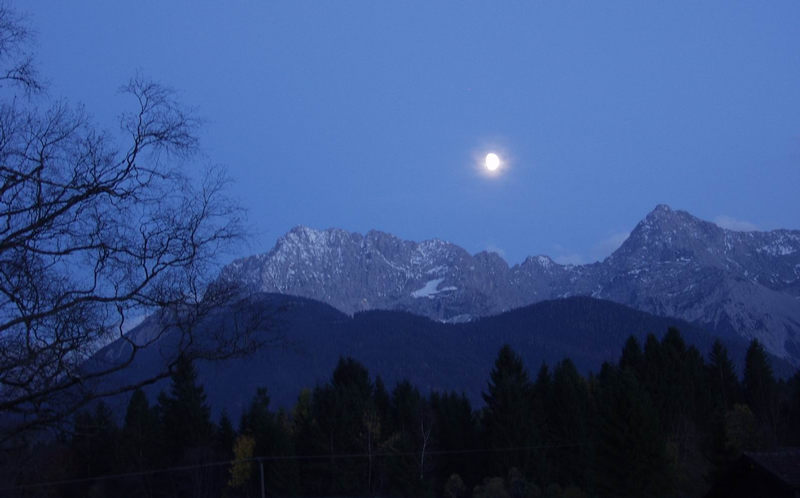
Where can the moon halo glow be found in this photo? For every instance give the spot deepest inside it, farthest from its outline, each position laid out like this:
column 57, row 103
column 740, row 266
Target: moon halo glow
column 492, row 162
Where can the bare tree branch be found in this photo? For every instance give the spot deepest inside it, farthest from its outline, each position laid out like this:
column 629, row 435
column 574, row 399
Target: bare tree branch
column 17, row 63
column 94, row 233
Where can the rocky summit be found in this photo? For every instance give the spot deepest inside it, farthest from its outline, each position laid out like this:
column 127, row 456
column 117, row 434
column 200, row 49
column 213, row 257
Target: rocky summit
column 672, row 264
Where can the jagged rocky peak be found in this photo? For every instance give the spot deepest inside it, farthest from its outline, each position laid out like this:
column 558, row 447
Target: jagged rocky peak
column 491, row 258
column 383, row 241
column 664, row 221
column 542, row 275
column 310, row 237
column 428, row 251
column 668, row 235
column 541, row 261
column 661, row 211
column 673, row 264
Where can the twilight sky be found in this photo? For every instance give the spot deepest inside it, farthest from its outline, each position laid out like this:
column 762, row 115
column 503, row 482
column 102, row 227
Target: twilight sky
column 365, row 115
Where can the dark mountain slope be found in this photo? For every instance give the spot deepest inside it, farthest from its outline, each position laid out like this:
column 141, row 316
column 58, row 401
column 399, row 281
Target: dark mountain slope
column 672, row 264
column 431, row 354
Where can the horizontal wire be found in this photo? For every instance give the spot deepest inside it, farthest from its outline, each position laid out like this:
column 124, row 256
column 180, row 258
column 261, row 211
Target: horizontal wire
column 335, row 456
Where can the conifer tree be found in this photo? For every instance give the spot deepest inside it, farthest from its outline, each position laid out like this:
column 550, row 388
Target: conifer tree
column 139, row 417
column 631, row 459
column 413, row 434
column 632, row 356
column 271, row 435
column 722, row 377
column 672, row 396
column 542, row 468
column 257, row 420
column 760, row 389
column 650, row 378
column 456, row 430
column 224, row 437
column 382, row 400
column 569, row 426
column 186, row 417
column 95, row 443
column 725, row 394
column 309, row 439
column 140, row 441
column 507, row 416
column 339, row 410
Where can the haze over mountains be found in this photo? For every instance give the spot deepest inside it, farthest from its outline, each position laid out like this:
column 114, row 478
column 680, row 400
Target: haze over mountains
column 672, row 264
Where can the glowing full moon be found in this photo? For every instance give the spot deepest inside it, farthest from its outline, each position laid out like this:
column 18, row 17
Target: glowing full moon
column 492, row 161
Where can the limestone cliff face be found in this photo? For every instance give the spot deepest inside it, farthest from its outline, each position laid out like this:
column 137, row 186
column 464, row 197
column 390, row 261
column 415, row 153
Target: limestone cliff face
column 672, row 264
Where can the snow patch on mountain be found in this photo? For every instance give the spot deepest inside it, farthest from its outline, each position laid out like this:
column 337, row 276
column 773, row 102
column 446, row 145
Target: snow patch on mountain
column 672, row 263
column 431, row 288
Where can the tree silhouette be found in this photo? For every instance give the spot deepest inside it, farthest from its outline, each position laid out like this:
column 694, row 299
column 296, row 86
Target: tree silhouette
column 632, row 356
column 760, row 389
column 569, row 426
column 722, row 377
column 507, row 416
column 186, row 417
column 631, row 457
column 96, row 230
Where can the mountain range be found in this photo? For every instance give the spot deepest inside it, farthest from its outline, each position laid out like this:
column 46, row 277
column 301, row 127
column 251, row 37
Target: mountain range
column 672, row 264
column 306, row 338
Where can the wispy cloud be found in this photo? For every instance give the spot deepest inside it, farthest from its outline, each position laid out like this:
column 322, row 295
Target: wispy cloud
column 497, row 250
column 597, row 252
column 564, row 256
column 569, row 259
column 731, row 223
column 605, row 247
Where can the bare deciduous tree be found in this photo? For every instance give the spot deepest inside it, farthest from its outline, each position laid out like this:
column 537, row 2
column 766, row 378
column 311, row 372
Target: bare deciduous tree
column 16, row 60
column 96, row 229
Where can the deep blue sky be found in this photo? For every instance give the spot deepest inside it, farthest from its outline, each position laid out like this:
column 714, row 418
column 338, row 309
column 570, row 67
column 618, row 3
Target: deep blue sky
column 366, row 115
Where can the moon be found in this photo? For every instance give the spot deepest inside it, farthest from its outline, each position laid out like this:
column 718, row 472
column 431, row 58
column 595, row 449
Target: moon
column 492, row 161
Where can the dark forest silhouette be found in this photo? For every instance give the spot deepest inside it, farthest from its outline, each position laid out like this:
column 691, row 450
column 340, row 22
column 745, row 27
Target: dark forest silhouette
column 662, row 421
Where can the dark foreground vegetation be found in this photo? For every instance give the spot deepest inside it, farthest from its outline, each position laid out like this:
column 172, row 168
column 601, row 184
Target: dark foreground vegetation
column 663, row 422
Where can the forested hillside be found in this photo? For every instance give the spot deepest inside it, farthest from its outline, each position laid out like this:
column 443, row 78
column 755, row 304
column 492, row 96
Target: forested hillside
column 303, row 339
column 662, row 421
